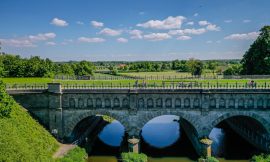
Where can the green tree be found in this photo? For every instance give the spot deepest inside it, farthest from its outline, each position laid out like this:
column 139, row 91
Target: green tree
column 234, row 69
column 84, row 68
column 211, row 65
column 257, row 59
column 65, row 69
column 195, row 66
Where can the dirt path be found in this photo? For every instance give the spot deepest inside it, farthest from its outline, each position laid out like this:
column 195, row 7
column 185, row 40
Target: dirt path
column 63, row 149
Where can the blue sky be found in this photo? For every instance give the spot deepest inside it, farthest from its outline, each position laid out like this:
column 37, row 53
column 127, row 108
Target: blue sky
column 64, row 30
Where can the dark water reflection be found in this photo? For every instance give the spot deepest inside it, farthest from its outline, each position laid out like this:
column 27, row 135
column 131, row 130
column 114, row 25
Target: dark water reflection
column 163, row 136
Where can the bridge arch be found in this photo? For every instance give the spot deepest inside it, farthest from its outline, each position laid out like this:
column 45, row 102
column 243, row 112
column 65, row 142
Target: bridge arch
column 144, row 118
column 261, row 120
column 69, row 127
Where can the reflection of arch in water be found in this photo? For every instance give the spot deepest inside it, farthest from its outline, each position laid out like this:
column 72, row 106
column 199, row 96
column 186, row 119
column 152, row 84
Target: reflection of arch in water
column 262, row 121
column 70, row 125
column 246, row 125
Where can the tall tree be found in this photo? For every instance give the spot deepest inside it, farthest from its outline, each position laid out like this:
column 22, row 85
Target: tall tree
column 257, row 59
column 195, row 66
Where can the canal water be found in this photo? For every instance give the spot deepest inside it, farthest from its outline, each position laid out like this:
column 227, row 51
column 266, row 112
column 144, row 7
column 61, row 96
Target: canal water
column 163, row 140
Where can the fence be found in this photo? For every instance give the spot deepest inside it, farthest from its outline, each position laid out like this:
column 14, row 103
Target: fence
column 163, row 85
column 159, row 77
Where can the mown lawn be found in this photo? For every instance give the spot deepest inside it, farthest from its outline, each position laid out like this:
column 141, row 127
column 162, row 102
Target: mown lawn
column 108, row 83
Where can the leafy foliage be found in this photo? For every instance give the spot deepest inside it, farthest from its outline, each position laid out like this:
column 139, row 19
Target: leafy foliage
column 22, row 138
column 77, row 154
column 15, row 66
column 195, row 66
column 257, row 59
column 208, row 159
column 6, row 102
column 260, row 158
column 234, row 69
column 133, row 157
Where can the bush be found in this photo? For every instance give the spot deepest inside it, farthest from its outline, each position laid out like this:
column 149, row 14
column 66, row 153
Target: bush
column 21, row 137
column 77, row 154
column 208, row 159
column 260, row 158
column 133, row 157
column 6, row 102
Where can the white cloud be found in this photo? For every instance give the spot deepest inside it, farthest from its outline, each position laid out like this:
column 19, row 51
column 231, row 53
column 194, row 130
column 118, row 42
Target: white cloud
column 212, row 27
column 209, row 26
column 246, row 21
column 50, row 43
column 203, row 23
column 209, row 42
column 195, row 31
column 28, row 41
column 190, row 23
column 58, row 22
column 168, row 23
column 122, row 40
column 91, row 40
column 227, row 21
column 42, row 36
column 17, row 42
column 196, row 14
column 110, row 32
column 245, row 36
column 157, row 36
column 136, row 34
column 188, row 31
column 79, row 23
column 97, row 24
column 184, row 37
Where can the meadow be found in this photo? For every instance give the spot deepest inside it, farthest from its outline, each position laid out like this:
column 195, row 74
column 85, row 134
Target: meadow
column 152, row 79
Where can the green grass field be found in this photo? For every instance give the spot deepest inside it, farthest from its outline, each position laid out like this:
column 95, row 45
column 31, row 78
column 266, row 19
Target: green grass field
column 108, row 83
column 164, row 74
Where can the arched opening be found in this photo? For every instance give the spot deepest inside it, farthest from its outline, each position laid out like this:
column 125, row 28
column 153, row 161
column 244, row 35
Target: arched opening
column 99, row 135
column 237, row 137
column 165, row 136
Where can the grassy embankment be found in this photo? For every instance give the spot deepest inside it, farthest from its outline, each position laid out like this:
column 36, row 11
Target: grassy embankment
column 21, row 137
column 24, row 139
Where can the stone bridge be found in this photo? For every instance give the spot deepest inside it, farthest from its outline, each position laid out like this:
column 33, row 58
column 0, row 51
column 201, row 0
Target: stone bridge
column 200, row 110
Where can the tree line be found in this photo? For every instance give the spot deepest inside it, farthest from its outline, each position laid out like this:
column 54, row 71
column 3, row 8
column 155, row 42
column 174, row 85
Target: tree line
column 15, row 66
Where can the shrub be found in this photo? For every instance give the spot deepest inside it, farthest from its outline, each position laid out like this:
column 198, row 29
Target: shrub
column 260, row 158
column 6, row 102
column 133, row 157
column 77, row 154
column 208, row 159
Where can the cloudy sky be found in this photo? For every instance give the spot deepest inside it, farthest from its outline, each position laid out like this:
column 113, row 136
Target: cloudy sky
column 131, row 30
